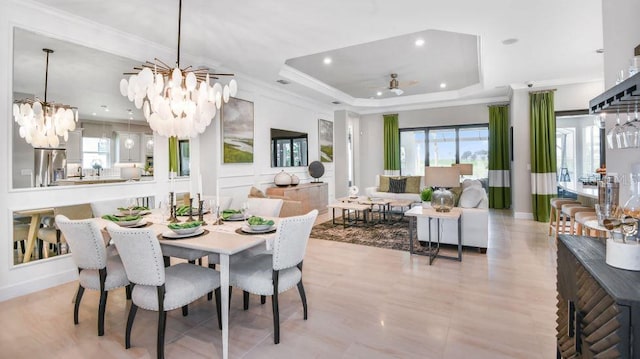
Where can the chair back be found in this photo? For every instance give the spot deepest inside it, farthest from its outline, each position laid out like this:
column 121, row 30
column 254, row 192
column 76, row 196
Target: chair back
column 292, row 236
column 264, row 207
column 85, row 240
column 76, row 211
column 140, row 253
column 101, row 208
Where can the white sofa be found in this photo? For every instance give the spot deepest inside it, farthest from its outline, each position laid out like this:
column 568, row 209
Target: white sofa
column 474, row 204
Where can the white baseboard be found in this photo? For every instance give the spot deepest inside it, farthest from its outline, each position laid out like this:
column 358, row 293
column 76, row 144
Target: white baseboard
column 523, row 215
column 37, row 284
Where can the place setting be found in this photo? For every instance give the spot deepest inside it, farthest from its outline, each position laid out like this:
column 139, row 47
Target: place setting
column 184, row 230
column 257, row 225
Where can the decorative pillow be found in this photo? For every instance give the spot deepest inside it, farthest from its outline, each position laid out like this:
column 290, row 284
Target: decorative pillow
column 456, row 195
column 413, row 184
column 397, row 185
column 471, row 197
column 384, row 184
column 470, row 182
column 256, row 193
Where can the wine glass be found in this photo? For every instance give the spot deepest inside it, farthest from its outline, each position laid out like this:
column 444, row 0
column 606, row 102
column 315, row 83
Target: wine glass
column 131, row 204
column 245, row 210
column 165, row 209
column 614, row 135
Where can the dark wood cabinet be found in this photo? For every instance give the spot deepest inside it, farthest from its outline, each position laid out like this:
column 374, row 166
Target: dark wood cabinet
column 598, row 310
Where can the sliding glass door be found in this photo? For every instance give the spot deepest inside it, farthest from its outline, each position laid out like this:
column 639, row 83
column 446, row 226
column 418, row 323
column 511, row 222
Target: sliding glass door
column 444, row 146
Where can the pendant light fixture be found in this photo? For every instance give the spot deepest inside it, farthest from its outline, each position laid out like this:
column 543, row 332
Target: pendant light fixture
column 42, row 122
column 176, row 101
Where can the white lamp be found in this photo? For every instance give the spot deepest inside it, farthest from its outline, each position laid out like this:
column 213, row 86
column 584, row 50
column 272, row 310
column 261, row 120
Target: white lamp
column 442, row 178
column 466, row 169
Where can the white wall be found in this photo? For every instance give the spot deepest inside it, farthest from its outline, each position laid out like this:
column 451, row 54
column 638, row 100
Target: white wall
column 621, row 36
column 274, row 108
column 372, row 127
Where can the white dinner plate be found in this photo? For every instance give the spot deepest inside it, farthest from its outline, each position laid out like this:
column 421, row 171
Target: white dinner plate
column 248, row 229
column 173, row 235
column 141, row 223
column 235, row 217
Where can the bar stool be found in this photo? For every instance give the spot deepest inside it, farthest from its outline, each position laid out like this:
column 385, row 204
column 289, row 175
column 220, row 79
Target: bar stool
column 554, row 216
column 569, row 211
column 581, row 218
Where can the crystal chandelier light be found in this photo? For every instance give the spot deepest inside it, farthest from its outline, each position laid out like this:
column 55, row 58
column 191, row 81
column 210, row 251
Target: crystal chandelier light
column 42, row 122
column 176, row 101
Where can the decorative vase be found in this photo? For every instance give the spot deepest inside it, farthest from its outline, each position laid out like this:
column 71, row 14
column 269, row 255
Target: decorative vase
column 426, row 204
column 282, row 179
column 294, row 180
column 442, row 200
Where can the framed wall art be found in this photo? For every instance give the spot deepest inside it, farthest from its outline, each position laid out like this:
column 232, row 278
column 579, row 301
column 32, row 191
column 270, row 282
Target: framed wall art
column 237, row 131
column 325, row 138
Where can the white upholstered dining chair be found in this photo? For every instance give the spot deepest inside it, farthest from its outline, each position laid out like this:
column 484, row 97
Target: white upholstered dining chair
column 99, row 268
column 264, row 207
column 271, row 274
column 155, row 287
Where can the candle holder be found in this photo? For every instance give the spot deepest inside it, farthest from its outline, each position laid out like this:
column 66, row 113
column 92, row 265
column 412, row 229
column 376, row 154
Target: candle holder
column 190, row 219
column 172, row 210
column 201, row 211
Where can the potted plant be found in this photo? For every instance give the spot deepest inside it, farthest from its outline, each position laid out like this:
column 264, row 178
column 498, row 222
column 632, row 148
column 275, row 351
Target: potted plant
column 425, row 195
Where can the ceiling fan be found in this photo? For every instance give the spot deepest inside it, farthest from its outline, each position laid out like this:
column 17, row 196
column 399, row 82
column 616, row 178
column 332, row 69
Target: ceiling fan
column 395, row 85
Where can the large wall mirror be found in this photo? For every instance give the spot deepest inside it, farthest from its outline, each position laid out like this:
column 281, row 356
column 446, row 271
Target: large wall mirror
column 289, row 148
column 112, row 141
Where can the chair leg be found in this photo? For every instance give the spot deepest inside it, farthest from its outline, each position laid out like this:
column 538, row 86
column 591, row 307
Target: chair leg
column 162, row 322
column 219, row 307
column 245, row 300
column 77, row 305
column 303, row 296
column 103, row 301
column 263, row 299
column 276, row 314
column 167, row 261
column 230, row 296
column 210, row 294
column 185, row 310
column 127, row 291
column 132, row 315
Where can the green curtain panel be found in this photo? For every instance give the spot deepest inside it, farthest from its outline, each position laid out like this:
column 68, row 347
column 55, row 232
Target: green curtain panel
column 391, row 143
column 543, row 153
column 173, row 154
column 499, row 164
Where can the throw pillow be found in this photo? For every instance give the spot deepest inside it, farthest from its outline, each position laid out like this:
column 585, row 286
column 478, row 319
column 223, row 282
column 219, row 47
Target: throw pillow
column 471, row 197
column 256, row 193
column 397, row 185
column 384, row 184
column 413, row 184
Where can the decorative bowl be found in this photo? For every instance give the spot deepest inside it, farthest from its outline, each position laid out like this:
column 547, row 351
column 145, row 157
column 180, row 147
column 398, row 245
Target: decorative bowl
column 128, row 223
column 183, row 231
column 260, row 227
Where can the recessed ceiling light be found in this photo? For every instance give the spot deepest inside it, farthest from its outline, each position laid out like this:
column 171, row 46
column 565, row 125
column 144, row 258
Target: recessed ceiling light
column 419, row 42
column 600, row 51
column 94, row 113
column 443, row 85
column 510, row 41
column 131, row 117
column 336, row 102
column 283, row 82
column 379, row 93
column 105, row 108
column 327, row 60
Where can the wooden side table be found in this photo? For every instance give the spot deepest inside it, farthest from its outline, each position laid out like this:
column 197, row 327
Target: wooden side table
column 347, row 208
column 430, row 214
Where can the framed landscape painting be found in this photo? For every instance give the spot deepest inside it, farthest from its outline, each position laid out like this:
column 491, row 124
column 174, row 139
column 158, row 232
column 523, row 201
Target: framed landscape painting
column 325, row 138
column 237, row 131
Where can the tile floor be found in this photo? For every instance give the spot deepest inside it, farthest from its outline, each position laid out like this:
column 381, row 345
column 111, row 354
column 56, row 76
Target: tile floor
column 364, row 302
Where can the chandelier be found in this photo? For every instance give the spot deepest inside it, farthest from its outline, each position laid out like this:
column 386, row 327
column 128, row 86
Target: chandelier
column 176, row 101
column 42, row 122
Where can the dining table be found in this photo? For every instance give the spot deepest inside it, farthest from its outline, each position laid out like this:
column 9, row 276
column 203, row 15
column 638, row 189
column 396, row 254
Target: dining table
column 226, row 238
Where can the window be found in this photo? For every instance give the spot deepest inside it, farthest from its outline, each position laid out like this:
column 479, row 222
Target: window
column 96, row 149
column 184, row 164
column 444, row 146
column 577, row 147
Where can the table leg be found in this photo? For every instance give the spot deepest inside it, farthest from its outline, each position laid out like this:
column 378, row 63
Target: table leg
column 31, row 238
column 460, row 238
column 412, row 223
column 224, row 297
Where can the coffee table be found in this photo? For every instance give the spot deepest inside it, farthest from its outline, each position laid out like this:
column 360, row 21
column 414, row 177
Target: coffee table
column 418, row 212
column 402, row 204
column 382, row 203
column 347, row 208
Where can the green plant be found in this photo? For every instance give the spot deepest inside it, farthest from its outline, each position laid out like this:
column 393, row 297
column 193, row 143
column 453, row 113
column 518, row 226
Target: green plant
column 426, row 193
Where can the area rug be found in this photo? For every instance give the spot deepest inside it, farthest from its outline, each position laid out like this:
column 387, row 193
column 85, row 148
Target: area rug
column 393, row 235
